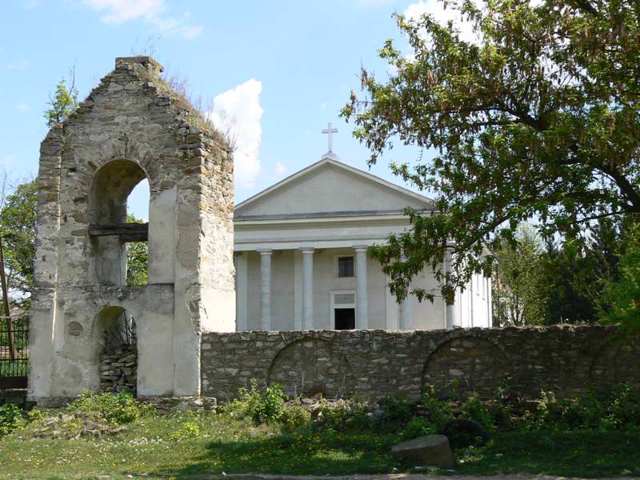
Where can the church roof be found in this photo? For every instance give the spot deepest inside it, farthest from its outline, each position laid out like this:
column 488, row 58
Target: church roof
column 340, row 190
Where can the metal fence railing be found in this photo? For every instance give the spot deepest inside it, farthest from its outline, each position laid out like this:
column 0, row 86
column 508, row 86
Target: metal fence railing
column 14, row 353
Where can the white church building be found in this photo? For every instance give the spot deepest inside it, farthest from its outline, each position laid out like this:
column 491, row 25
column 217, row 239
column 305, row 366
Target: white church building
column 301, row 257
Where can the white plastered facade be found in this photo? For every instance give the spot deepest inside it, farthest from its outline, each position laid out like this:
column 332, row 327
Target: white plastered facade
column 289, row 237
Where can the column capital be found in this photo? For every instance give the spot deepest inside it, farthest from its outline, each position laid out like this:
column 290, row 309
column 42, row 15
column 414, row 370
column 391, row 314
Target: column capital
column 361, row 248
column 307, row 250
column 264, row 251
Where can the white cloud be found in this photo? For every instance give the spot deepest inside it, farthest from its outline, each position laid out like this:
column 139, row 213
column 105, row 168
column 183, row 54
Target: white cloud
column 23, row 107
column 442, row 14
column 238, row 113
column 153, row 12
column 280, row 169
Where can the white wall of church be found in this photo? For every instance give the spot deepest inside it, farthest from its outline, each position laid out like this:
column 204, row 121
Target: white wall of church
column 473, row 305
column 286, row 289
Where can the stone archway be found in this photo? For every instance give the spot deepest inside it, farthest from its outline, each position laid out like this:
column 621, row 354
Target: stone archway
column 465, row 364
column 310, row 366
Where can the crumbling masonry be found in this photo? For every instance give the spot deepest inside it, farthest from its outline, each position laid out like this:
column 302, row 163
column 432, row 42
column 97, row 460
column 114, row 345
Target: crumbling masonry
column 131, row 127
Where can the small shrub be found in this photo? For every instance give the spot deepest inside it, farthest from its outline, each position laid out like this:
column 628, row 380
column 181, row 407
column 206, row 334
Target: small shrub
column 343, row 415
column 116, row 409
column 295, row 417
column 188, row 429
column 417, row 427
column 624, row 408
column 262, row 406
column 11, row 418
column 438, row 412
column 396, row 410
column 474, row 409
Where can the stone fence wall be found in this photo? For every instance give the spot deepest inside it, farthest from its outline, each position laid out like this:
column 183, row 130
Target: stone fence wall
column 374, row 364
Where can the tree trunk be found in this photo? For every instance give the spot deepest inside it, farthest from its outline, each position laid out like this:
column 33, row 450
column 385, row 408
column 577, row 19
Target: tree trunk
column 5, row 300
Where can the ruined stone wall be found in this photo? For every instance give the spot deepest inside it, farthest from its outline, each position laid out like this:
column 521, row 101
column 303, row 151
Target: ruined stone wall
column 376, row 363
column 133, row 125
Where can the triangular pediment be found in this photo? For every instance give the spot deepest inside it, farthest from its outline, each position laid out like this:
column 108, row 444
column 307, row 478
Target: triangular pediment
column 331, row 187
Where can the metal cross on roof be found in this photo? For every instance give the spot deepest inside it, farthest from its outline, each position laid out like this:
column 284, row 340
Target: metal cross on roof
column 329, row 131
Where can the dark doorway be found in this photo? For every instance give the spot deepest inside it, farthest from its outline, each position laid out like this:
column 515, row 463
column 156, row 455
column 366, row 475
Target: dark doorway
column 345, row 318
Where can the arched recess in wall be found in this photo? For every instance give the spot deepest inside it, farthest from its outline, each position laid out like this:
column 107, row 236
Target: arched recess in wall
column 119, row 239
column 117, row 350
column 616, row 362
column 311, row 366
column 466, row 364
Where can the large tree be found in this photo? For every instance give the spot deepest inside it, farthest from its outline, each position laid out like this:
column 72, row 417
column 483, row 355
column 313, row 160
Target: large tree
column 539, row 118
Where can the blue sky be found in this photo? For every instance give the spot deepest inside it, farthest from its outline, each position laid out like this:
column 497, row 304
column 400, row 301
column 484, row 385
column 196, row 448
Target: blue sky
column 274, row 72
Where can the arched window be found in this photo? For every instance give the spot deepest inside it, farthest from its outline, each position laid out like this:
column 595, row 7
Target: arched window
column 120, row 193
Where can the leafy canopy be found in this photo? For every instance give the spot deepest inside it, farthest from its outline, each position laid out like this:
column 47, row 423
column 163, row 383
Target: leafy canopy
column 17, row 227
column 537, row 119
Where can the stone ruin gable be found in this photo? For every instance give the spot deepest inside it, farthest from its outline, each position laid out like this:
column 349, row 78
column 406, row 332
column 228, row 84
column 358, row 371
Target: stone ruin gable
column 375, row 363
column 131, row 126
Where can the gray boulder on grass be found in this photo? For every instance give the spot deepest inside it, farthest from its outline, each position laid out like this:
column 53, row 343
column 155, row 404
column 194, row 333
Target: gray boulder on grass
column 433, row 450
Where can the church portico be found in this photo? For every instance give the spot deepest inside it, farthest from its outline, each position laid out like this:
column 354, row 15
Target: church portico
column 301, row 256
column 309, row 288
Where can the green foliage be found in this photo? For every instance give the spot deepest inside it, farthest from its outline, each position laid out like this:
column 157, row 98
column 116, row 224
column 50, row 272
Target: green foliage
column 623, row 295
column 478, row 411
column 518, row 293
column 417, row 427
column 396, row 410
column 137, row 264
column 17, row 227
column 62, row 104
column 137, row 259
column 537, row 119
column 438, row 412
column 184, row 444
column 262, row 406
column 617, row 409
column 344, row 415
column 560, row 281
column 295, row 418
column 188, row 430
column 11, row 418
column 116, row 409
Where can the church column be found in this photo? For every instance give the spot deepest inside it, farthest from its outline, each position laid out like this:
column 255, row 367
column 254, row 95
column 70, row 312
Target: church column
column 265, row 289
column 241, row 291
column 307, row 288
column 404, row 313
column 404, row 308
column 450, row 308
column 362, row 299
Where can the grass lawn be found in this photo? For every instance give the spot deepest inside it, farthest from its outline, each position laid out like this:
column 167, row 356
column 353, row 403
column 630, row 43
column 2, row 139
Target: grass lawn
column 181, row 445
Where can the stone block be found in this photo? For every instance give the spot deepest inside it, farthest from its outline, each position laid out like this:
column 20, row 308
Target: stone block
column 430, row 450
